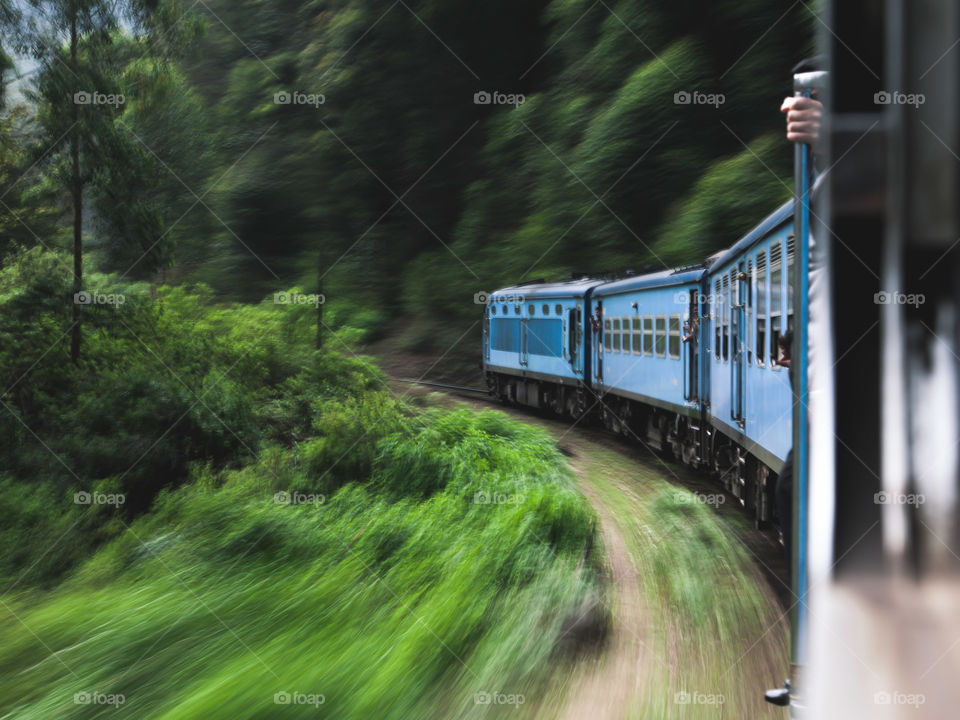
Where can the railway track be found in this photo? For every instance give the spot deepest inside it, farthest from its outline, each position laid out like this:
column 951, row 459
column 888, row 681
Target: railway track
column 452, row 388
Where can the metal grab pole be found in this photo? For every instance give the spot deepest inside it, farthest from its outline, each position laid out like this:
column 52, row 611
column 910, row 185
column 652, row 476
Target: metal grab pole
column 803, row 85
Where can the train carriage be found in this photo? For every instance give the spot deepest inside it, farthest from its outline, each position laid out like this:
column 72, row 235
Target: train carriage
column 750, row 400
column 683, row 360
column 648, row 376
column 537, row 346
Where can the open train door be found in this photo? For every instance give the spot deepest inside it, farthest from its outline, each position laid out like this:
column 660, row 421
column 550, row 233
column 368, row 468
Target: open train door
column 691, row 350
column 738, row 357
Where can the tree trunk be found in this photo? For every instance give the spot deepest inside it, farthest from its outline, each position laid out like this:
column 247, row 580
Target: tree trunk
column 320, row 256
column 77, row 190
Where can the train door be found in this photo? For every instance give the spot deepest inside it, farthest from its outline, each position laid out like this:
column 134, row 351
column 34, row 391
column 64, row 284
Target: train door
column 738, row 291
column 601, row 336
column 486, row 332
column 575, row 338
column 691, row 350
column 524, row 349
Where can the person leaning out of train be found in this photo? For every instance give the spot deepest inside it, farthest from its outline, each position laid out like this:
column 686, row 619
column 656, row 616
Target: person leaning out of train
column 596, row 320
column 690, row 330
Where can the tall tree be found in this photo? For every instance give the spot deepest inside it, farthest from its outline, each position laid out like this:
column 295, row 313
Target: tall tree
column 79, row 95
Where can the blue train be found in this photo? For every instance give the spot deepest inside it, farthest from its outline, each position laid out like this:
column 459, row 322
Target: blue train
column 684, row 360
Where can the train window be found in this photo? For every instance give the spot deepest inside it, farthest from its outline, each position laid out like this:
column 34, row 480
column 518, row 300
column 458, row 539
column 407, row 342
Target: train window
column 579, row 325
column 790, row 247
column 493, row 309
column 660, row 337
column 516, row 309
column 735, row 302
column 776, row 273
column 726, row 318
column 648, row 335
column 546, row 309
column 674, row 345
column 625, row 334
column 717, row 325
column 573, row 335
column 616, row 335
column 505, row 310
column 607, row 342
column 637, row 330
column 559, row 309
column 532, row 309
column 748, row 313
column 761, row 343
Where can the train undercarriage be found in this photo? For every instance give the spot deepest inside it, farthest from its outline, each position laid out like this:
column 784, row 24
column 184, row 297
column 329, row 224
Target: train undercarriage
column 688, row 439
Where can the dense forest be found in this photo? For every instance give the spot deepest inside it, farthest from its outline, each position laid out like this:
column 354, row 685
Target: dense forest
column 173, row 173
column 340, row 147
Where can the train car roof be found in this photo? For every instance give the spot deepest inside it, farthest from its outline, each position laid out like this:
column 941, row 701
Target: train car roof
column 575, row 288
column 664, row 278
column 778, row 217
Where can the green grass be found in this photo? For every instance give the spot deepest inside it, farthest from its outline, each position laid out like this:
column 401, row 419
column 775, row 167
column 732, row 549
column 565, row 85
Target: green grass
column 400, row 597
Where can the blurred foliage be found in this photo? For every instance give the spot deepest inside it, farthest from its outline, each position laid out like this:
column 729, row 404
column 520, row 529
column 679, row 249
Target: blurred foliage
column 431, row 555
column 397, row 194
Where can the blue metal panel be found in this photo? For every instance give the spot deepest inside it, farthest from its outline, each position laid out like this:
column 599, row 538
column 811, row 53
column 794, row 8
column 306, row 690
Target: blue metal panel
column 545, row 337
column 505, row 334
